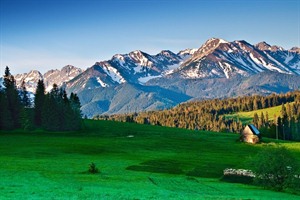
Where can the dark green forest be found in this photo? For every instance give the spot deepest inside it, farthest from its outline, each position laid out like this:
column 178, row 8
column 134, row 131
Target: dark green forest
column 209, row 115
column 53, row 111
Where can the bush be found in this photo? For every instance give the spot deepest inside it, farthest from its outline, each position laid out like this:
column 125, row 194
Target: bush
column 275, row 168
column 93, row 169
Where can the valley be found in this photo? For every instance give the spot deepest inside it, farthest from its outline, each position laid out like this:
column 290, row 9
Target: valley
column 141, row 100
column 135, row 161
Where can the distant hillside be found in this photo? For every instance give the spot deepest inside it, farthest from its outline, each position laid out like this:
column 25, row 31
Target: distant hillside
column 220, row 115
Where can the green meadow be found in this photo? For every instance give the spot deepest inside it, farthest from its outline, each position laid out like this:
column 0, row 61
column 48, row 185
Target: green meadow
column 247, row 117
column 135, row 162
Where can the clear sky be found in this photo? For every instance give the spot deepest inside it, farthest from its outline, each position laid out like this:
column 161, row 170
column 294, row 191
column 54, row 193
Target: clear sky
column 49, row 34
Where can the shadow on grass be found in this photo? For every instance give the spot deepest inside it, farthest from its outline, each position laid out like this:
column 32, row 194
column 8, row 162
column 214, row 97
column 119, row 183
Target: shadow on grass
column 158, row 166
column 200, row 172
column 237, row 179
column 173, row 167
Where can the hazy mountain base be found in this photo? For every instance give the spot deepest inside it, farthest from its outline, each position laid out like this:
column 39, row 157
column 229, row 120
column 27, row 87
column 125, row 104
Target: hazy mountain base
column 161, row 93
column 128, row 98
column 263, row 83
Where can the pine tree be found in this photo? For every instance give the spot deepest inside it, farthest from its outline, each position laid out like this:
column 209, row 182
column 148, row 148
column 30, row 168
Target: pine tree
column 26, row 112
column 60, row 112
column 267, row 117
column 261, row 120
column 27, row 119
column 39, row 101
column 5, row 115
column 255, row 120
column 14, row 103
column 283, row 111
column 284, row 118
column 50, row 114
column 25, row 100
column 255, row 103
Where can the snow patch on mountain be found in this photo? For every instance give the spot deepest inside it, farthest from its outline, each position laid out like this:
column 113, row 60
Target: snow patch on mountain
column 101, row 82
column 113, row 73
column 288, row 58
column 171, row 69
column 119, row 58
column 279, row 69
column 187, row 53
column 144, row 80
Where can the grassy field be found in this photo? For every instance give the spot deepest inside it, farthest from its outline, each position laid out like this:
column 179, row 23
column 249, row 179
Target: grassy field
column 135, row 161
column 247, row 117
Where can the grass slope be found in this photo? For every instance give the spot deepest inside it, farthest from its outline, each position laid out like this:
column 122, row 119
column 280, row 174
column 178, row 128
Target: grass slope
column 247, row 117
column 136, row 162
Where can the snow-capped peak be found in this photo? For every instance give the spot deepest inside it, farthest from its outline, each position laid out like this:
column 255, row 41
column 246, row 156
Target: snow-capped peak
column 118, row 56
column 137, row 53
column 207, row 48
column 140, row 58
column 187, row 51
column 295, row 49
column 216, row 59
column 167, row 53
column 263, row 46
column 211, row 44
column 30, row 79
column 216, row 41
column 34, row 73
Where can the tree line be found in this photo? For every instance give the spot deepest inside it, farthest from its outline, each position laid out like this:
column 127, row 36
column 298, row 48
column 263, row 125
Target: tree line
column 285, row 126
column 52, row 111
column 210, row 115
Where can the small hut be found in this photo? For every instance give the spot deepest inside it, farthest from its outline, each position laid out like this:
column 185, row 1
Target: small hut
column 250, row 134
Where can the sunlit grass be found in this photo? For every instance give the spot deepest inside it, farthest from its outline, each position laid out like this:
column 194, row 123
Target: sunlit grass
column 153, row 162
column 247, row 117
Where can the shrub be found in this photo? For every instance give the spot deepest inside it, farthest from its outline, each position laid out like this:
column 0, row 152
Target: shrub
column 238, row 176
column 275, row 168
column 93, row 169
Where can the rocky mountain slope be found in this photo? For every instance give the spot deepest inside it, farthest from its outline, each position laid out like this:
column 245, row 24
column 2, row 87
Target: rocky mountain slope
column 218, row 58
column 136, row 67
column 139, row 81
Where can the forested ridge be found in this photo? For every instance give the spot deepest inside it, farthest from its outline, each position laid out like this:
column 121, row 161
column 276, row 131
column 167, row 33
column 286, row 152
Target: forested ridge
column 210, row 115
column 53, row 111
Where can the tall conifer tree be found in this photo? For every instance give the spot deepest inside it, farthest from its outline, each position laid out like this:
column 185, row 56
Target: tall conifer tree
column 25, row 100
column 5, row 115
column 39, row 102
column 14, row 103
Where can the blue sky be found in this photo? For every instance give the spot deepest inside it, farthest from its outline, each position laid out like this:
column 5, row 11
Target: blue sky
column 44, row 34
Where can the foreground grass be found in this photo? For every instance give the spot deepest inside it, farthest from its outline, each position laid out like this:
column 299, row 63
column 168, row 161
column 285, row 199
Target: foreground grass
column 135, row 161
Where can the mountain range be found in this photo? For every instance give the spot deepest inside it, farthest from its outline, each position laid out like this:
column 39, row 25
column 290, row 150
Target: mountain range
column 138, row 81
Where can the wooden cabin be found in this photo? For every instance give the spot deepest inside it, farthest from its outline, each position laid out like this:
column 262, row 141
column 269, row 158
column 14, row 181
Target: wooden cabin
column 250, row 134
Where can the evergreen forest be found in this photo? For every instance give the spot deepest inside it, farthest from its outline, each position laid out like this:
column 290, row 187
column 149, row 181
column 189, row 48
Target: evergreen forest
column 52, row 111
column 210, row 115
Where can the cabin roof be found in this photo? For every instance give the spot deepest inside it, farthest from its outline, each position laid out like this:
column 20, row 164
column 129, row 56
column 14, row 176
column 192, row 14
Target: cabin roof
column 254, row 129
